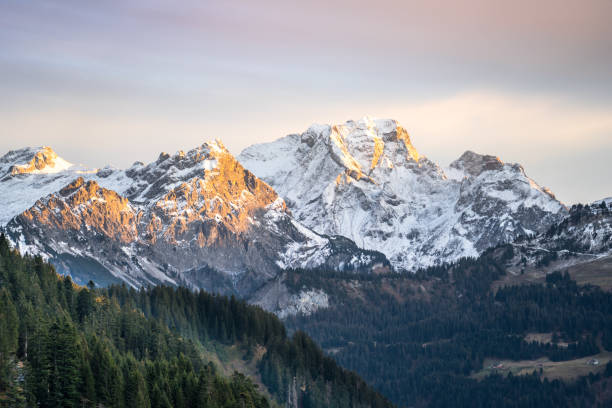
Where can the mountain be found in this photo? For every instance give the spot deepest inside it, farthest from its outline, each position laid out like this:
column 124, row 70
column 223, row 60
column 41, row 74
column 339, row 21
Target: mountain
column 64, row 345
column 30, row 173
column 366, row 181
column 586, row 230
column 197, row 219
column 580, row 244
column 497, row 330
column 450, row 336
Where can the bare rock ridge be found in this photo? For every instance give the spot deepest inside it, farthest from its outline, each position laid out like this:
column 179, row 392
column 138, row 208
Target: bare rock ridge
column 584, row 237
column 196, row 218
column 85, row 205
column 31, row 160
column 366, row 181
column 473, row 164
column 29, row 174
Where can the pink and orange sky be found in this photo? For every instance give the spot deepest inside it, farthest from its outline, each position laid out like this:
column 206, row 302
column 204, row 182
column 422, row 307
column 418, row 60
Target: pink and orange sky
column 111, row 82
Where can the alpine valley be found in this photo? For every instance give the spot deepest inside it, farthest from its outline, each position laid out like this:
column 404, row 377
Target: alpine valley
column 466, row 285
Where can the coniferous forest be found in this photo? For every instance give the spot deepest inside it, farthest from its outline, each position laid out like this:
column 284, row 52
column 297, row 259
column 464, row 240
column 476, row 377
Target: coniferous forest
column 62, row 345
column 422, row 343
column 419, row 339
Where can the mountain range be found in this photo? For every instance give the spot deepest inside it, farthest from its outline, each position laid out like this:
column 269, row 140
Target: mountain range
column 366, row 181
column 424, row 280
column 351, row 197
column 197, row 219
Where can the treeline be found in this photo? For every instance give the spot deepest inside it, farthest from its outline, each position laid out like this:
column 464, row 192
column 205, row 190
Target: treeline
column 423, row 349
column 62, row 345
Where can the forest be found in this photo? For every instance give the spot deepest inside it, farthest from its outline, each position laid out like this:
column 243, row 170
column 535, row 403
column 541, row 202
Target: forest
column 63, row 345
column 419, row 339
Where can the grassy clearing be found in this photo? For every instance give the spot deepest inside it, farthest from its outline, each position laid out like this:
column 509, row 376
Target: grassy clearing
column 564, row 370
column 596, row 272
column 544, row 338
column 233, row 358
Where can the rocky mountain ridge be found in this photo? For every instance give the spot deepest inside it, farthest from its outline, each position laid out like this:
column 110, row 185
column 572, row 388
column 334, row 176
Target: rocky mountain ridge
column 197, row 219
column 366, row 181
column 30, row 173
column 584, row 236
column 344, row 197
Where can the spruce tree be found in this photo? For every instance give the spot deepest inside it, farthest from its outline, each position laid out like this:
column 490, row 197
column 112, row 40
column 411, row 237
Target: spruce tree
column 8, row 338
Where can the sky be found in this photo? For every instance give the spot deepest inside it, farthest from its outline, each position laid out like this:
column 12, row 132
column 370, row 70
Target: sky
column 115, row 81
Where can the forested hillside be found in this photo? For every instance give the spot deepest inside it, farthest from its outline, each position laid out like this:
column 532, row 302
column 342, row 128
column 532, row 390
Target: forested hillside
column 62, row 345
column 423, row 340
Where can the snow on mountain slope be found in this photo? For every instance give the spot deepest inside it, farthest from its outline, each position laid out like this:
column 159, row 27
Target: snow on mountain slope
column 38, row 160
column 180, row 219
column 30, row 173
column 366, row 181
column 607, row 201
column 584, row 236
column 586, row 229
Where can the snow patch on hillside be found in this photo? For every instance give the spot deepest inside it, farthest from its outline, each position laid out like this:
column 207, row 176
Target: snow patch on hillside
column 306, row 302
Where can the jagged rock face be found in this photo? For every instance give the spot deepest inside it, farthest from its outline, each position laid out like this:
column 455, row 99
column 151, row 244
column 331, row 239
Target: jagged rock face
column 84, row 206
column 31, row 160
column 474, row 164
column 196, row 218
column 364, row 180
column 84, row 230
column 583, row 236
column 29, row 174
column 586, row 230
column 500, row 201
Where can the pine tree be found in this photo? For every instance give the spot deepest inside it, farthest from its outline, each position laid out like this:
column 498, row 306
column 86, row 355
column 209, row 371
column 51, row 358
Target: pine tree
column 136, row 395
column 87, row 388
column 8, row 338
column 84, row 304
column 63, row 353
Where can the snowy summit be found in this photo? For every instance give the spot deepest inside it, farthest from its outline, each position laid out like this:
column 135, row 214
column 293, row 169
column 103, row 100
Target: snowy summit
column 366, row 181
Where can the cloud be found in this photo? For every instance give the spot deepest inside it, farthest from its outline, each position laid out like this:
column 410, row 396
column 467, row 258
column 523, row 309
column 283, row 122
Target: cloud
column 120, row 80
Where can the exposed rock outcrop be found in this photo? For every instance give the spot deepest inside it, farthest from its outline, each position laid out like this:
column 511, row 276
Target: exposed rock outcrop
column 365, row 180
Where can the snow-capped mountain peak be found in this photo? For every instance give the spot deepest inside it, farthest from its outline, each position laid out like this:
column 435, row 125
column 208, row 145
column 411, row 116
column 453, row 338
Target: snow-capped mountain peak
column 366, row 181
column 30, row 173
column 196, row 217
column 170, row 171
column 368, row 143
column 32, row 160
